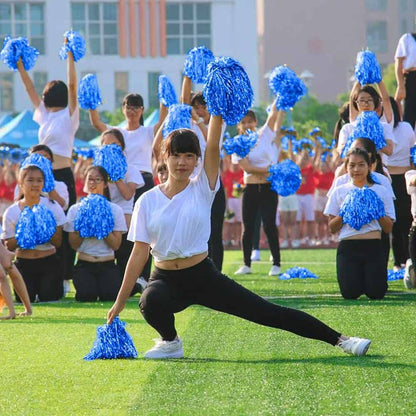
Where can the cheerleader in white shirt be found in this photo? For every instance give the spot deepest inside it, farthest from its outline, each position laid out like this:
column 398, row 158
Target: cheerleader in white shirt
column 173, row 220
column 361, row 267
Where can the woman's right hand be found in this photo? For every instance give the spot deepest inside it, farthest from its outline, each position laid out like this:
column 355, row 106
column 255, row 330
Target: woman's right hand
column 113, row 312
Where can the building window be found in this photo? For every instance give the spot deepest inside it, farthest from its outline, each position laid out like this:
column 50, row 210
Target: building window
column 39, row 81
column 23, row 19
column 377, row 36
column 152, row 89
column 6, row 91
column 376, row 5
column 98, row 23
column 121, row 83
column 187, row 25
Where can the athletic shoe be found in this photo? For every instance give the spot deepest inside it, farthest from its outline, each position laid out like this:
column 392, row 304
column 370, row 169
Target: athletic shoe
column 284, row 244
column 255, row 255
column 274, row 271
column 67, row 287
column 409, row 279
column 165, row 349
column 243, row 270
column 295, row 243
column 355, row 346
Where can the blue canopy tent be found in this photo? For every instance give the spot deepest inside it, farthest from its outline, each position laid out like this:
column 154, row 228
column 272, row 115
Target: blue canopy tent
column 4, row 119
column 21, row 131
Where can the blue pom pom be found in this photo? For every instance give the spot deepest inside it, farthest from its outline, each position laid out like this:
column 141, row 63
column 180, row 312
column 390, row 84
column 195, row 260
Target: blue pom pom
column 287, row 87
column 367, row 69
column 375, row 178
column 360, row 207
column 94, row 218
column 392, row 275
column 367, row 126
column 297, row 273
column 306, row 143
column 166, row 91
column 285, row 177
column 179, row 117
column 75, row 44
column 322, row 142
column 13, row 49
column 89, row 96
column 196, row 63
column 227, row 91
column 112, row 159
column 45, row 166
column 113, row 341
column 241, row 145
column 35, row 226
column 413, row 154
column 325, row 154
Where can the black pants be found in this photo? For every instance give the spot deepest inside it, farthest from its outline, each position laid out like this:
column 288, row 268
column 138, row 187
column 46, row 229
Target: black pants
column 215, row 246
column 123, row 254
column 409, row 113
column 94, row 281
column 257, row 230
column 412, row 243
column 171, row 291
column 361, row 269
column 260, row 198
column 400, row 234
column 148, row 184
column 42, row 277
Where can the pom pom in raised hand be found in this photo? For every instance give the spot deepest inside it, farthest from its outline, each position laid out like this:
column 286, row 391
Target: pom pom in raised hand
column 196, row 63
column 166, row 91
column 179, row 117
column 75, row 43
column 14, row 49
column 89, row 96
column 227, row 90
column 360, row 207
column 94, row 218
column 241, row 145
column 112, row 159
column 113, row 341
column 367, row 69
column 35, row 226
column 297, row 273
column 287, row 87
column 45, row 166
column 285, row 177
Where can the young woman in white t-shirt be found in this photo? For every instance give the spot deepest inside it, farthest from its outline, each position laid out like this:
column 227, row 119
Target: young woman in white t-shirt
column 173, row 220
column 96, row 276
column 361, row 266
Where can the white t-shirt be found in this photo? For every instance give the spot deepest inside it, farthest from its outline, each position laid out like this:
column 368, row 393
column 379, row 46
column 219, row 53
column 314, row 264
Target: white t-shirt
column 175, row 228
column 57, row 129
column 93, row 246
column 133, row 175
column 264, row 153
column 336, row 199
column 405, row 139
column 12, row 214
column 411, row 190
column 60, row 188
column 406, row 48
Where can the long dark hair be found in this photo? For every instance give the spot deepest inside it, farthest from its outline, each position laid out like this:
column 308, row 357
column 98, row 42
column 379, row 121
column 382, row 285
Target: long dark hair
column 103, row 173
column 22, row 174
column 396, row 112
column 135, row 100
column 356, row 151
column 344, row 118
column 181, row 141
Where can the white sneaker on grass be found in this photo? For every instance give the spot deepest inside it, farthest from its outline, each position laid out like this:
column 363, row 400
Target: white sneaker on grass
column 255, row 255
column 243, row 270
column 409, row 278
column 274, row 271
column 355, row 346
column 165, row 349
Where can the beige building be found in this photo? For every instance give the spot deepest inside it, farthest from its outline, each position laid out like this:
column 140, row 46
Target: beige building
column 320, row 38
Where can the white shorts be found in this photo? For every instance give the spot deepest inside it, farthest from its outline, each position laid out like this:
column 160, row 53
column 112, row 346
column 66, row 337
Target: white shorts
column 320, row 202
column 234, row 205
column 306, row 207
column 288, row 203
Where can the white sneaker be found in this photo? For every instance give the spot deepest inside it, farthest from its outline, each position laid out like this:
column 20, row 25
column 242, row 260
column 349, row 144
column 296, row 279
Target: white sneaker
column 271, row 258
column 255, row 255
column 284, row 244
column 295, row 243
column 142, row 283
column 165, row 349
column 409, row 279
column 274, row 271
column 243, row 270
column 355, row 346
column 67, row 287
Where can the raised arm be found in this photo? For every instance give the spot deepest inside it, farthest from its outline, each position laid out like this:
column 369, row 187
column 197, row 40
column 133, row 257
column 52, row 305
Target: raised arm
column 186, row 90
column 271, row 118
column 387, row 109
column 277, row 126
column 212, row 151
column 353, row 95
column 96, row 120
column 163, row 112
column 28, row 83
column 398, row 69
column 72, row 83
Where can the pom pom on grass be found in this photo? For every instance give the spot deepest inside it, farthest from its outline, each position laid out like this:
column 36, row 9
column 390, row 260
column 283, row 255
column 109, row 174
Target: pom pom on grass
column 285, row 177
column 89, row 96
column 94, row 218
column 196, row 63
column 228, row 90
column 45, row 166
column 392, row 275
column 75, row 44
column 241, row 145
column 367, row 69
column 14, row 49
column 113, row 341
column 287, row 87
column 166, row 91
column 112, row 159
column 360, row 207
column 297, row 273
column 179, row 117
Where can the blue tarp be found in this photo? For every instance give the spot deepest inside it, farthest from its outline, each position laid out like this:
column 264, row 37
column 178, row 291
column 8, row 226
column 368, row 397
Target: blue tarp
column 5, row 119
column 22, row 131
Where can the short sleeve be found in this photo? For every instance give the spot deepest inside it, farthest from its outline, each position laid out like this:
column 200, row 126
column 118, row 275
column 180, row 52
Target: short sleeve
column 133, row 175
column 138, row 230
column 401, row 47
column 62, row 190
column 119, row 219
column 9, row 224
column 389, row 206
column 70, row 219
column 58, row 213
column 40, row 113
column 332, row 206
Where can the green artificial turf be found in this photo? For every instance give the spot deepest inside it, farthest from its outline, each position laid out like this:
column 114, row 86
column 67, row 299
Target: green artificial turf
column 232, row 367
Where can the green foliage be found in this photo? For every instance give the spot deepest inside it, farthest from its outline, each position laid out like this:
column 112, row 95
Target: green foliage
column 389, row 78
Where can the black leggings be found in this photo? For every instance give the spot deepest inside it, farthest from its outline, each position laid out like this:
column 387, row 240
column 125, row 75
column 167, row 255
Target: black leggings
column 361, row 269
column 215, row 245
column 171, row 291
column 260, row 198
column 409, row 113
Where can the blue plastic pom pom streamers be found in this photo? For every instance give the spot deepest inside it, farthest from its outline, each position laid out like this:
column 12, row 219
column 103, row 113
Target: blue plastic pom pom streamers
column 297, row 273
column 179, row 117
column 16, row 48
column 285, row 177
column 392, row 275
column 241, row 145
column 367, row 69
column 75, row 44
column 196, row 63
column 45, row 166
column 89, row 96
column 112, row 159
column 166, row 91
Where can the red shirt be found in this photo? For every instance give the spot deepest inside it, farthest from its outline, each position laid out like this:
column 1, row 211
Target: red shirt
column 229, row 178
column 323, row 180
column 308, row 184
column 7, row 191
